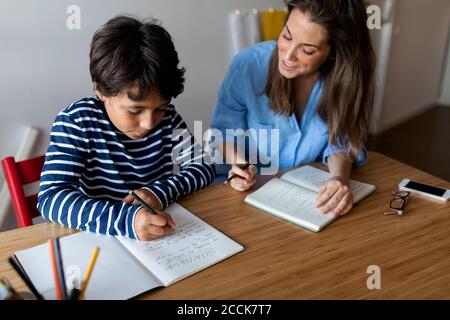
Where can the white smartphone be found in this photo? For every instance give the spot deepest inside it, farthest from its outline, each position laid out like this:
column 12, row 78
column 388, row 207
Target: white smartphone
column 425, row 189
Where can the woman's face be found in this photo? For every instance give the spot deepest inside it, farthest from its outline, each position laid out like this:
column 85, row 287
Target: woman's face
column 302, row 46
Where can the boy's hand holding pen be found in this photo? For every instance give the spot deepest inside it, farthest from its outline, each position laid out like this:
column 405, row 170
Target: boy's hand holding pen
column 241, row 177
column 150, row 223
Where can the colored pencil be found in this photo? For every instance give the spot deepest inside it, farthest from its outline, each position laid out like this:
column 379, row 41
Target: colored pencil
column 60, row 265
column 16, row 265
column 89, row 272
column 51, row 246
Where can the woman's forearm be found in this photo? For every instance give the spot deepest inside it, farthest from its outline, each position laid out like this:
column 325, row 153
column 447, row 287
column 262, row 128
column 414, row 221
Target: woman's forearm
column 340, row 165
column 230, row 153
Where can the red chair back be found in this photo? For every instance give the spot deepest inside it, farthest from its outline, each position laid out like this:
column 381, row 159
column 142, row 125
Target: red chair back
column 18, row 174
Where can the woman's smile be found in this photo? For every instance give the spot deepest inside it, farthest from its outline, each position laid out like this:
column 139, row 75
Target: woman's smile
column 288, row 66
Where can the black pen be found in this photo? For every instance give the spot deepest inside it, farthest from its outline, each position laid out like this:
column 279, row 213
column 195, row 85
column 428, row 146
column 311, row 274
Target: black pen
column 243, row 167
column 15, row 264
column 149, row 209
column 75, row 294
column 142, row 202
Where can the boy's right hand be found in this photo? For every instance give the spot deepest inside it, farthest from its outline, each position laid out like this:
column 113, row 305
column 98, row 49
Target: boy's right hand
column 152, row 226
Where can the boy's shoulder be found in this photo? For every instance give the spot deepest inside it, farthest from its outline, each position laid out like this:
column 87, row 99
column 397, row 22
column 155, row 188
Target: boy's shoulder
column 86, row 107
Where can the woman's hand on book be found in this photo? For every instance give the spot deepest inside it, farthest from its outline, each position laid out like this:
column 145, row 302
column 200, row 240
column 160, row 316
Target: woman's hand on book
column 245, row 178
column 335, row 196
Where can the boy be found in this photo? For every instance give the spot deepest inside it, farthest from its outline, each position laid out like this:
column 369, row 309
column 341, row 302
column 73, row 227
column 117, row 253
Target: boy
column 125, row 138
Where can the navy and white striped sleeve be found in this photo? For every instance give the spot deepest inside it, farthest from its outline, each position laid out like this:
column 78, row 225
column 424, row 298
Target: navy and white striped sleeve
column 60, row 199
column 196, row 167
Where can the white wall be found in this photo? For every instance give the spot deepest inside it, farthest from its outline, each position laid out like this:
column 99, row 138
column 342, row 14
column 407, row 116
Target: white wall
column 416, row 58
column 445, row 88
column 44, row 66
column 381, row 39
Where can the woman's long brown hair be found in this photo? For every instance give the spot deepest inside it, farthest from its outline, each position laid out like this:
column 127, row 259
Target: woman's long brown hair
column 348, row 74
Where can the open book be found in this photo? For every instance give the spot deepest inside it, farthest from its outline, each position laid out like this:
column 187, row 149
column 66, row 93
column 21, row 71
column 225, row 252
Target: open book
column 293, row 196
column 126, row 267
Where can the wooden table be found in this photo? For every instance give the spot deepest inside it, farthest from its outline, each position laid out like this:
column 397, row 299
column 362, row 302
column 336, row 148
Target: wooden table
column 284, row 261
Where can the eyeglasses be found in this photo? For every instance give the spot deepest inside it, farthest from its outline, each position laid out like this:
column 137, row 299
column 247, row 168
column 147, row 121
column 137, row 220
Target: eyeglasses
column 398, row 203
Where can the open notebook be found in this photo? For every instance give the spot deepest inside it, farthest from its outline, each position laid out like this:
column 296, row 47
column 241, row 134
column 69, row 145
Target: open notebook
column 292, row 197
column 125, row 267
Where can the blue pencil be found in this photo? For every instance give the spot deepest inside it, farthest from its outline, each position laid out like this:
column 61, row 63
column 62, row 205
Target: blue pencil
column 60, row 267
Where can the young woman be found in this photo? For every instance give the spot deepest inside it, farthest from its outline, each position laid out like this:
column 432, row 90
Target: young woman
column 315, row 86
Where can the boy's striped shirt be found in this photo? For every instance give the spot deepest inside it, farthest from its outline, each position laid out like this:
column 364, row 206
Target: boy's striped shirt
column 90, row 166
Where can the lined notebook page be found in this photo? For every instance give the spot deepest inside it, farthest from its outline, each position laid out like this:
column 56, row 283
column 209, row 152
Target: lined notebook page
column 290, row 202
column 193, row 246
column 312, row 178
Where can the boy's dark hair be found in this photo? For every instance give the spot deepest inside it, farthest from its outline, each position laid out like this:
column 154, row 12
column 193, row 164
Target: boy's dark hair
column 126, row 51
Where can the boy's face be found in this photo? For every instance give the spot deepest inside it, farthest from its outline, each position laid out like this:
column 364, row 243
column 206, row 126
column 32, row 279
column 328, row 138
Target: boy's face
column 134, row 118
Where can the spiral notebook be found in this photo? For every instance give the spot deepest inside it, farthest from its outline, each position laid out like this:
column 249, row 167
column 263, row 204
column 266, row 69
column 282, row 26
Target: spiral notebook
column 292, row 197
column 125, row 267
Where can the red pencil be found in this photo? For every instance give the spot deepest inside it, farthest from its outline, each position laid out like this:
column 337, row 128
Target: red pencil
column 55, row 269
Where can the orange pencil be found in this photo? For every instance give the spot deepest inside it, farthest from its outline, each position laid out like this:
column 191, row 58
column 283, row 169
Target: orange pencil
column 55, row 269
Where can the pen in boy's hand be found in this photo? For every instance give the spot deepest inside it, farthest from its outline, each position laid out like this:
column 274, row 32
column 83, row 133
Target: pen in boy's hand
column 243, row 167
column 146, row 206
column 142, row 202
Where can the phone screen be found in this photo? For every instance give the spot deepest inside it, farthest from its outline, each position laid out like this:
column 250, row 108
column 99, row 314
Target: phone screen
column 426, row 188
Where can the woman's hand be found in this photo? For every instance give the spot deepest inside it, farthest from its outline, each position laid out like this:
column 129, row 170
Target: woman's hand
column 245, row 179
column 335, row 196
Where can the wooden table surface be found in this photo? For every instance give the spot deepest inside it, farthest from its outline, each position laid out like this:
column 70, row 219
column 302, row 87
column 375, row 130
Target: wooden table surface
column 284, row 261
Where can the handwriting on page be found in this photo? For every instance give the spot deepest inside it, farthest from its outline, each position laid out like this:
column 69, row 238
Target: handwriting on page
column 191, row 242
column 292, row 200
column 311, row 177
